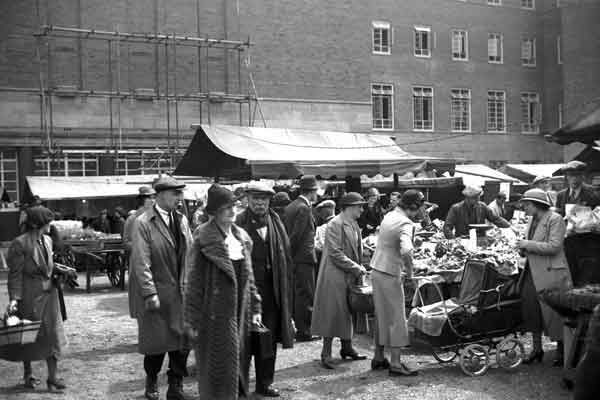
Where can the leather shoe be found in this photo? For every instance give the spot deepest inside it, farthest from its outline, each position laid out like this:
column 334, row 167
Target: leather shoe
column 268, row 392
column 403, row 371
column 151, row 392
column 175, row 390
column 351, row 354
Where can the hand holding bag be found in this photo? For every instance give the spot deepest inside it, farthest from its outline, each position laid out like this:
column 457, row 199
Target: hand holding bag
column 262, row 341
column 360, row 296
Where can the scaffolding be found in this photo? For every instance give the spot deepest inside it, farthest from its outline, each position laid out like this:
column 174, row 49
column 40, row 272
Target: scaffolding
column 171, row 96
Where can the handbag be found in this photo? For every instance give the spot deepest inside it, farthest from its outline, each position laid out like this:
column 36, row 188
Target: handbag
column 261, row 341
column 360, row 296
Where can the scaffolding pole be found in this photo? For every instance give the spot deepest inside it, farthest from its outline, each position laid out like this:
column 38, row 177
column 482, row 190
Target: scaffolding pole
column 110, row 98
column 175, row 97
column 167, row 97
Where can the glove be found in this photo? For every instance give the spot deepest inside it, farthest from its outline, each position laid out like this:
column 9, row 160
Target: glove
column 256, row 319
column 12, row 307
column 152, row 303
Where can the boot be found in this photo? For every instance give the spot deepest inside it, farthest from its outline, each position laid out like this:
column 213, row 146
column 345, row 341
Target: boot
column 175, row 390
column 151, row 388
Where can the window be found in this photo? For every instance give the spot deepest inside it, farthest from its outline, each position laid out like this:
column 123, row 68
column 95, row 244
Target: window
column 528, row 52
column 530, row 112
column 560, row 115
column 68, row 164
column 423, row 108
column 9, row 176
column 381, row 38
column 558, row 51
column 496, row 114
column 528, row 4
column 143, row 163
column 460, row 45
column 382, row 96
column 460, row 110
column 422, row 41
column 494, row 2
column 495, row 49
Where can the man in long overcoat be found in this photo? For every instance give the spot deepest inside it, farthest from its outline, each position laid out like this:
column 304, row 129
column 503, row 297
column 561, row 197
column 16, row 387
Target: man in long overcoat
column 272, row 266
column 161, row 239
column 300, row 226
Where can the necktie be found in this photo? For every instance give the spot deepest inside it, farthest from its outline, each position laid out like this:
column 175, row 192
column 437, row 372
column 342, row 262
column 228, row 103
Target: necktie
column 173, row 229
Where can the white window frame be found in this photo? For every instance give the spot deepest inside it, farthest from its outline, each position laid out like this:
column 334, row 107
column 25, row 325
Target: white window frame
column 75, row 156
column 383, row 26
column 527, row 7
column 532, row 61
column 3, row 171
column 526, row 126
column 494, row 2
column 496, row 94
column 500, row 40
column 417, row 30
column 559, row 59
column 460, row 94
column 141, row 157
column 383, row 88
column 466, row 44
column 423, row 88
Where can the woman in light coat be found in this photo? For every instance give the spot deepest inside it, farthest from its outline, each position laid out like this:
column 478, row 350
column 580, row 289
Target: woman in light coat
column 547, row 264
column 33, row 293
column 340, row 266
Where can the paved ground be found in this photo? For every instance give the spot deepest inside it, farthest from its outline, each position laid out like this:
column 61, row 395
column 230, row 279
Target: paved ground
column 101, row 362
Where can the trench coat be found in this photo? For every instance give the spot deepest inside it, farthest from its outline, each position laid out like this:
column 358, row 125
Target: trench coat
column 211, row 308
column 548, row 264
column 30, row 282
column 158, row 267
column 340, row 266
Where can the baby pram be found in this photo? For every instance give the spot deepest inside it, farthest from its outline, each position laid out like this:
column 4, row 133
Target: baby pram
column 483, row 319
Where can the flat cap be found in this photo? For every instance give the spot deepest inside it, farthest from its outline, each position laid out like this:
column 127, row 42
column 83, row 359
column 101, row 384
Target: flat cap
column 146, row 191
column 259, row 188
column 472, row 191
column 167, row 182
column 412, row 199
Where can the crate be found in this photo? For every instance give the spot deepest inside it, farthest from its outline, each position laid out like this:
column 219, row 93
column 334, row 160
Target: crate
column 23, row 333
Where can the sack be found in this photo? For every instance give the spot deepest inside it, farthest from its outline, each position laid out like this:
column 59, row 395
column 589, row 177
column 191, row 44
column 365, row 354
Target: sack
column 360, row 297
column 261, row 341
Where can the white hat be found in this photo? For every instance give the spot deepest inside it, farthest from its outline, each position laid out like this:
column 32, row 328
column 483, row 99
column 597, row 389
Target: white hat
column 472, row 191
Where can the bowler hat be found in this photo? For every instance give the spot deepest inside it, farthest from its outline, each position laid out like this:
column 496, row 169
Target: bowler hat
column 146, row 191
column 574, row 167
column 280, row 199
column 218, row 197
column 308, row 182
column 352, row 199
column 326, row 203
column 537, row 196
column 472, row 191
column 167, row 182
column 259, row 188
column 412, row 199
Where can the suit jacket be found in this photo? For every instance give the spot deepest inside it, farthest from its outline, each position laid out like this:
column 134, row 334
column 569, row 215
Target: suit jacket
column 587, row 197
column 394, row 241
column 300, row 226
column 460, row 216
column 159, row 268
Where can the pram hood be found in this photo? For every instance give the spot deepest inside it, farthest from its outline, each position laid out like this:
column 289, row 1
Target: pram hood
column 482, row 285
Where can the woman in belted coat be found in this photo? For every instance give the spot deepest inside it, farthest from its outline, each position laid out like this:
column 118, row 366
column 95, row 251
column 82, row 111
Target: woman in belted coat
column 547, row 265
column 221, row 300
column 33, row 295
column 340, row 267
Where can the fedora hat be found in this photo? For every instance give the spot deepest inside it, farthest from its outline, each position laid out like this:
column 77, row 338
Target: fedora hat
column 146, row 191
column 574, row 167
column 308, row 182
column 537, row 196
column 352, row 199
column 218, row 197
column 167, row 182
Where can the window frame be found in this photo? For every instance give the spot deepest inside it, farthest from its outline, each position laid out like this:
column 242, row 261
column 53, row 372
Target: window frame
column 532, row 62
column 524, row 7
column 432, row 97
column 419, row 29
column 469, row 109
column 495, row 94
column 3, row 171
column 538, row 116
column 66, row 159
column 382, row 25
column 391, row 86
column 501, row 42
column 466, row 41
column 494, row 3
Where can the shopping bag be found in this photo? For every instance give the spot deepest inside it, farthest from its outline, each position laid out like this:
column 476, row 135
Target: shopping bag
column 261, row 341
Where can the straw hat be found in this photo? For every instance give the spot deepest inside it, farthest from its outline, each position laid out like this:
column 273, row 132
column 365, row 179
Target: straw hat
column 537, row 196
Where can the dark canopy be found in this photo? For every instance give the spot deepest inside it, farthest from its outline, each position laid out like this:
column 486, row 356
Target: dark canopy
column 585, row 130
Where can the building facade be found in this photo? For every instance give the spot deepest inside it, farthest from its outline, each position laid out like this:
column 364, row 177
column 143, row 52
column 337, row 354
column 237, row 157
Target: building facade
column 480, row 80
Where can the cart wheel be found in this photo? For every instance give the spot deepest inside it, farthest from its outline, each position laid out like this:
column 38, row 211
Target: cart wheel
column 113, row 270
column 475, row 360
column 444, row 356
column 510, row 353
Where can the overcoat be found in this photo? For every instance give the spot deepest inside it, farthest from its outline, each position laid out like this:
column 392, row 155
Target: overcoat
column 127, row 244
column 30, row 282
column 548, row 265
column 211, row 308
column 340, row 265
column 158, row 267
column 300, row 226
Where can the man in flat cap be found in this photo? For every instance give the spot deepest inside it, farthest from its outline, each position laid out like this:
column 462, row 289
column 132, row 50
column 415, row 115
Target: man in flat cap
column 578, row 192
column 470, row 211
column 300, row 225
column 272, row 266
column 161, row 238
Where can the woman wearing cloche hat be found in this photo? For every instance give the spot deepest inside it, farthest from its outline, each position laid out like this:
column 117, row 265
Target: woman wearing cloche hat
column 546, row 268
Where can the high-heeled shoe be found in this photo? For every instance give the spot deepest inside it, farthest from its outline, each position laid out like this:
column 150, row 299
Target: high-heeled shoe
column 56, row 385
column 327, row 362
column 351, row 354
column 534, row 356
column 31, row 382
column 377, row 365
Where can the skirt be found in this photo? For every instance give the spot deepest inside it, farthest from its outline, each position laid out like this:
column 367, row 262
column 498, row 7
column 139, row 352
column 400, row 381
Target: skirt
column 390, row 312
column 530, row 305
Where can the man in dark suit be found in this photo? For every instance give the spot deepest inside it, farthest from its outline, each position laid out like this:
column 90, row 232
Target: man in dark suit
column 578, row 192
column 300, row 225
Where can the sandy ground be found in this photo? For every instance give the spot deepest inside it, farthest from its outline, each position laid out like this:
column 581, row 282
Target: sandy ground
column 101, row 362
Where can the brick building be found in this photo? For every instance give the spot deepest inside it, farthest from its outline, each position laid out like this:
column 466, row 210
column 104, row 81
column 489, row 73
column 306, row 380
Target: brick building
column 477, row 79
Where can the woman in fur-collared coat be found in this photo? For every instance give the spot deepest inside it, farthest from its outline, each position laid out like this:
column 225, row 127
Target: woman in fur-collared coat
column 221, row 301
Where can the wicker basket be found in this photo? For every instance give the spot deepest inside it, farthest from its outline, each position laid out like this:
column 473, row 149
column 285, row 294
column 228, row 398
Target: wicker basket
column 23, row 333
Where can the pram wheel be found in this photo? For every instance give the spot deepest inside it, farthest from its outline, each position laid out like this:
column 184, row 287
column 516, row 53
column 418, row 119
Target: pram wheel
column 475, row 360
column 510, row 353
column 444, row 356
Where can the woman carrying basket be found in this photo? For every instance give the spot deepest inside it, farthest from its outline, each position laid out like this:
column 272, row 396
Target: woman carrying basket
column 34, row 295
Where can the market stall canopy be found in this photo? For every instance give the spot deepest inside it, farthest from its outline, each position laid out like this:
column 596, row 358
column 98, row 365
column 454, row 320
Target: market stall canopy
column 585, row 130
column 528, row 172
column 240, row 152
column 479, row 174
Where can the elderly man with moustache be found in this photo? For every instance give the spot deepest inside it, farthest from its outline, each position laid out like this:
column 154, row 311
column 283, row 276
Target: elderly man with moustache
column 161, row 239
column 272, row 266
